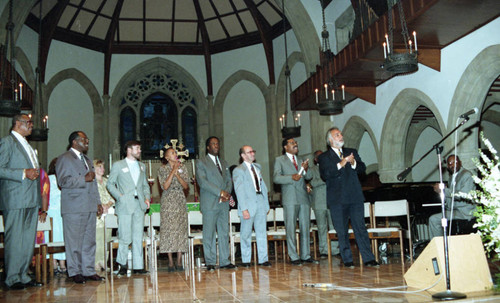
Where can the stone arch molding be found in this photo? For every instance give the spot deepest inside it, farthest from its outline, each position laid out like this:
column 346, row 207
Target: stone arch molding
column 353, row 133
column 471, row 92
column 395, row 137
column 220, row 99
column 89, row 87
column 155, row 70
column 293, row 59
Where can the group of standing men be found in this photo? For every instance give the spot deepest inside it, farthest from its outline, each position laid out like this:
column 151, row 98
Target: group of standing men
column 338, row 166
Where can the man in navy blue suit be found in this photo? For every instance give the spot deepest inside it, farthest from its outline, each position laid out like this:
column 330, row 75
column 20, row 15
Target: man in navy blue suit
column 339, row 167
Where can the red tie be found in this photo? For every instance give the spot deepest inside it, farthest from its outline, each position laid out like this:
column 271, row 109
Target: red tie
column 295, row 163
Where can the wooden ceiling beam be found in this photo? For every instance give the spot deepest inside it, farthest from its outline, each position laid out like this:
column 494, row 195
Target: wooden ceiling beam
column 206, row 47
column 368, row 93
column 108, row 42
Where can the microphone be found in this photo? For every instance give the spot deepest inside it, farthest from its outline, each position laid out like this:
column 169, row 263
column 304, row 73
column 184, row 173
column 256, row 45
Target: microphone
column 471, row 112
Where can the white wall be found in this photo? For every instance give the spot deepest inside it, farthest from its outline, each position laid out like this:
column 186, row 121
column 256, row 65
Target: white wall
column 70, row 110
column 427, row 169
column 245, row 124
column 367, row 150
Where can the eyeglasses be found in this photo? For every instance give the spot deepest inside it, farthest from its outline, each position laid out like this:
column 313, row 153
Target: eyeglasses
column 26, row 121
column 251, row 151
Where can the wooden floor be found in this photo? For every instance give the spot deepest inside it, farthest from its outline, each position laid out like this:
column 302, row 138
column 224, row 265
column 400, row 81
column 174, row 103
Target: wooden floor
column 282, row 282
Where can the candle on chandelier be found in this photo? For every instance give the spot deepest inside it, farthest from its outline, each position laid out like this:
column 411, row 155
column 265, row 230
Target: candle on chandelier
column 295, row 122
column 43, row 123
column 385, row 51
column 326, row 91
column 46, row 121
column 149, row 164
column 343, row 92
column 15, row 93
column 415, row 39
column 409, row 42
column 333, row 94
column 387, row 42
column 316, row 91
column 110, row 161
column 298, row 116
column 192, row 163
column 20, row 91
column 281, row 123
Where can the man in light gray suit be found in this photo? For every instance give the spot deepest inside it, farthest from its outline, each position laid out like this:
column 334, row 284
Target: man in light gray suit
column 289, row 172
column 80, row 204
column 462, row 209
column 253, row 206
column 214, row 179
column 127, row 183
column 19, row 201
column 321, row 211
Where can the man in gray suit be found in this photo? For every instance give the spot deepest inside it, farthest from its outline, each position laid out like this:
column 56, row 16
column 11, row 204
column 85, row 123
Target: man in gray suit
column 289, row 172
column 462, row 209
column 19, row 201
column 127, row 183
column 214, row 179
column 253, row 206
column 80, row 204
column 321, row 211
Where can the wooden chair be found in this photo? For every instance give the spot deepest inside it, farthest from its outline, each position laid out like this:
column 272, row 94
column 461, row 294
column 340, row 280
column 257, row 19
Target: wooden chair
column 278, row 234
column 110, row 222
column 235, row 237
column 50, row 249
column 385, row 210
column 195, row 218
column 151, row 240
column 332, row 233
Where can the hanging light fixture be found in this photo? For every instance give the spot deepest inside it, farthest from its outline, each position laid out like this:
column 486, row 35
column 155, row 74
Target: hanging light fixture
column 10, row 103
column 40, row 130
column 397, row 62
column 288, row 131
column 328, row 100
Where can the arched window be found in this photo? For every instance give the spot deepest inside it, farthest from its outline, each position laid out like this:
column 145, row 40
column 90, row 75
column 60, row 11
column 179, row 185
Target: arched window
column 189, row 131
column 158, row 124
column 127, row 125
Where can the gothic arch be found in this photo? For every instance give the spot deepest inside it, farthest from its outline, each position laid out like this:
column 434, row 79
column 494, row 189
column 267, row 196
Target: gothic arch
column 353, row 133
column 395, row 131
column 471, row 92
column 224, row 90
column 89, row 87
column 160, row 66
column 25, row 65
column 293, row 59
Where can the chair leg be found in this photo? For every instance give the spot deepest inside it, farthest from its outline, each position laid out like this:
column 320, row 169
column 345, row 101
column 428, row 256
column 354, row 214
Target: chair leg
column 402, row 248
column 329, row 242
column 38, row 265
column 51, row 267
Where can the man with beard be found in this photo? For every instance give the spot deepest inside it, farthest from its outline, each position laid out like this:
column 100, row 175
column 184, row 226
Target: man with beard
column 339, row 167
column 127, row 183
column 289, row 172
column 19, row 201
column 214, row 179
column 462, row 208
column 80, row 202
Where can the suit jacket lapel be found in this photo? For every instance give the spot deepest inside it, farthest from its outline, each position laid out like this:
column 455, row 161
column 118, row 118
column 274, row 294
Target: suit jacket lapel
column 20, row 146
column 213, row 167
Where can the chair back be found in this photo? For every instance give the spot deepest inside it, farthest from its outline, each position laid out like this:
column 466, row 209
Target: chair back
column 111, row 221
column 2, row 228
column 194, row 218
column 270, row 216
column 233, row 217
column 394, row 208
column 44, row 226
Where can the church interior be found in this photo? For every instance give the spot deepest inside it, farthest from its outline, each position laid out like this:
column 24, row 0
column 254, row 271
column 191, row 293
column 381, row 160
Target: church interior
column 395, row 76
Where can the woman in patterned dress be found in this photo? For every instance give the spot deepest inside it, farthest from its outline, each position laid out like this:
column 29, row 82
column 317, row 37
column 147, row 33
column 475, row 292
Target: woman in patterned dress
column 173, row 179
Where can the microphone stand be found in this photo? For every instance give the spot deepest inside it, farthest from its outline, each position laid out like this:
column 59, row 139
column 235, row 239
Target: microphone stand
column 447, row 294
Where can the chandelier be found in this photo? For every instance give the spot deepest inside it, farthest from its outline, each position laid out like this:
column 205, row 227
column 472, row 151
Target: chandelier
column 288, row 131
column 329, row 101
column 10, row 96
column 400, row 62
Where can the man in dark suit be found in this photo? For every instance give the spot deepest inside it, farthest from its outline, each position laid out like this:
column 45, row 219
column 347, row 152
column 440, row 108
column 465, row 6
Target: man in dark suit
column 19, row 201
column 339, row 167
column 127, row 183
column 214, row 179
column 80, row 203
column 289, row 172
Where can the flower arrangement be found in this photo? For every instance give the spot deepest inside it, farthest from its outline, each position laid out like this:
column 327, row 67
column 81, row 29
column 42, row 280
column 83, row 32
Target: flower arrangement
column 487, row 199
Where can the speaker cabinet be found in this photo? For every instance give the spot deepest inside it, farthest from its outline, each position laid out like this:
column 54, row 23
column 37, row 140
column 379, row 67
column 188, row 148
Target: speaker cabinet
column 469, row 269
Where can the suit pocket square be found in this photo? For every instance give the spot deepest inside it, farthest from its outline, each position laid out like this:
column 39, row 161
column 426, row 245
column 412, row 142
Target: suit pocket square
column 125, row 169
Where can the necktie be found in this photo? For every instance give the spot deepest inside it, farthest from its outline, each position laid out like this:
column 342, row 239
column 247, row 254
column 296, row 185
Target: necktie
column 257, row 186
column 295, row 163
column 83, row 161
column 341, row 154
column 218, row 166
column 33, row 157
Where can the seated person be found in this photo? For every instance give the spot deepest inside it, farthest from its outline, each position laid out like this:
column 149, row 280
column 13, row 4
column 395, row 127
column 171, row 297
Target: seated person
column 462, row 209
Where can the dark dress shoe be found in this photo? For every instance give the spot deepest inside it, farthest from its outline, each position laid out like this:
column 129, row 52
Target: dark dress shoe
column 210, row 267
column 296, row 262
column 349, row 264
column 229, row 266
column 17, row 286
column 372, row 263
column 33, row 283
column 265, row 264
column 140, row 271
column 310, row 260
column 244, row 265
column 122, row 271
column 78, row 279
column 95, row 277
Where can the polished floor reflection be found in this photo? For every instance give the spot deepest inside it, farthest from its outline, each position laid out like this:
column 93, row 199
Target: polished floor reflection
column 282, row 282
